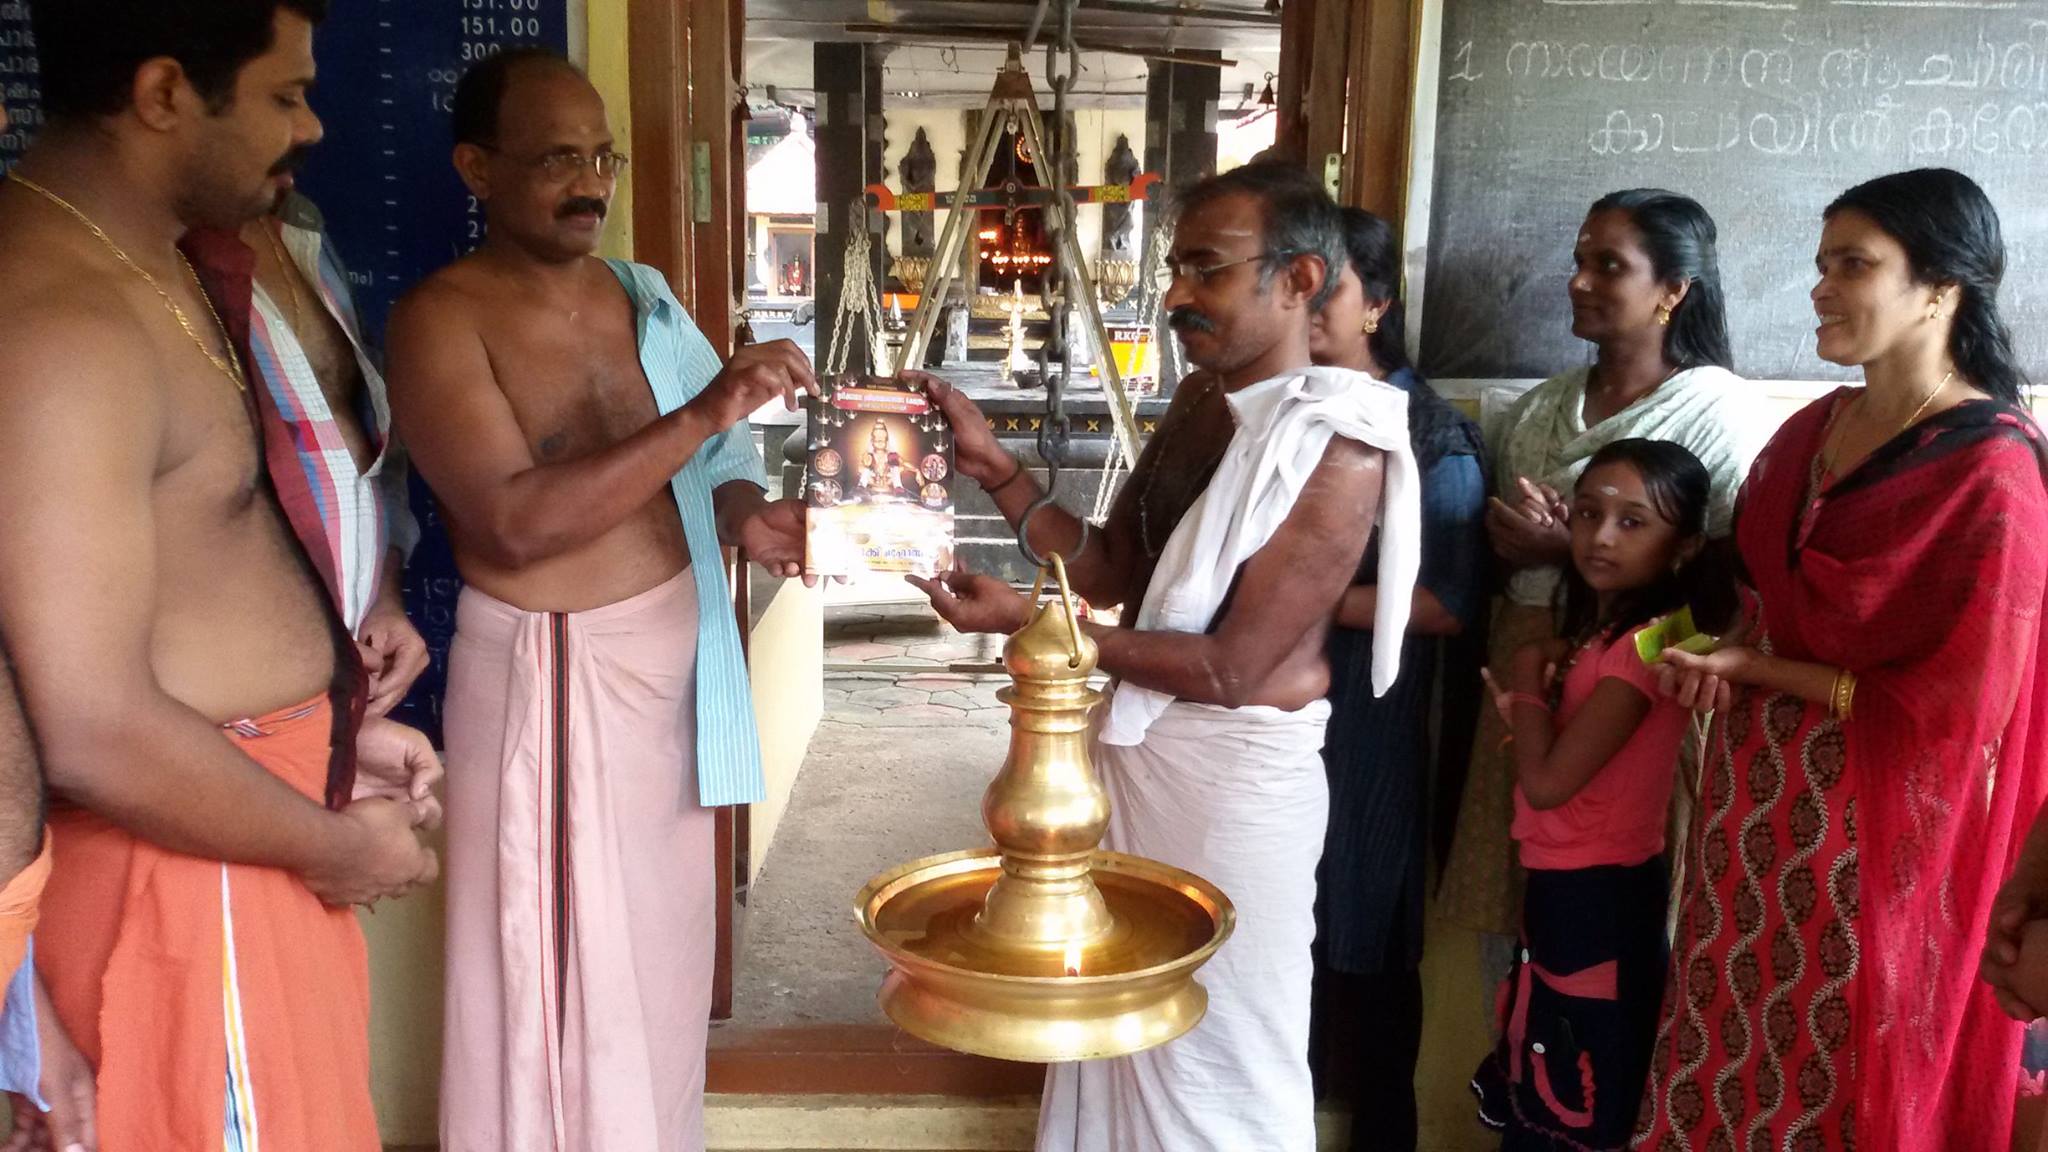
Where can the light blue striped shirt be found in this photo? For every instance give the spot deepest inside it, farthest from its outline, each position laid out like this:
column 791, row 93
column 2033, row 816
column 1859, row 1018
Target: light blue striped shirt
column 679, row 363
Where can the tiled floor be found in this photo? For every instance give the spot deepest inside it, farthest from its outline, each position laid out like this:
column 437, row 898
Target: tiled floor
column 895, row 772
column 894, row 639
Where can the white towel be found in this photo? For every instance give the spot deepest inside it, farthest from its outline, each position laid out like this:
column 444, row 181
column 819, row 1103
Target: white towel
column 1283, row 427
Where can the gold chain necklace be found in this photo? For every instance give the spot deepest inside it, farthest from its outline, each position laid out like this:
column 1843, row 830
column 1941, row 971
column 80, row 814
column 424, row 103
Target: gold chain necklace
column 1835, row 457
column 228, row 367
column 290, row 273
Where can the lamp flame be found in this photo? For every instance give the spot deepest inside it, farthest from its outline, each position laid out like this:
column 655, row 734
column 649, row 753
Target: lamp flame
column 1073, row 959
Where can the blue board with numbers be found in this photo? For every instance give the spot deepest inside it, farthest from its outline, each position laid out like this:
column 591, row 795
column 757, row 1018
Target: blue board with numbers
column 20, row 81
column 383, row 179
column 396, row 209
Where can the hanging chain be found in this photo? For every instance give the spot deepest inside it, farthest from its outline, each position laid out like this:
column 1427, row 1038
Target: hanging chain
column 1151, row 297
column 1152, row 271
column 1055, row 432
column 1152, row 300
column 859, row 300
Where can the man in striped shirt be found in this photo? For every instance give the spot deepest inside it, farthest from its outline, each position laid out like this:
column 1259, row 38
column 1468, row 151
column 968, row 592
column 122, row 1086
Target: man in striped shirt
column 339, row 476
column 306, row 340
column 590, row 456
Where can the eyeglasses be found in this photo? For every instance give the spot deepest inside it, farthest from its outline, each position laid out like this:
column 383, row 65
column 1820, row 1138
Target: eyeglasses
column 1177, row 268
column 562, row 167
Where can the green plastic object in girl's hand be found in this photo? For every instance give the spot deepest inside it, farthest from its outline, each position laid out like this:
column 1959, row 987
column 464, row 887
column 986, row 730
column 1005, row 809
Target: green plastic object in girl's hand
column 1674, row 631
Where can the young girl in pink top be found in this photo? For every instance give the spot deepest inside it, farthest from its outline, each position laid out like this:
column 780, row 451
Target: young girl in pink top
column 1596, row 751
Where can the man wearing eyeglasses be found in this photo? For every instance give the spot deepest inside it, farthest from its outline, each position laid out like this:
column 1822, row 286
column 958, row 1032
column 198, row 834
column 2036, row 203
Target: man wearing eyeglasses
column 1230, row 548
column 590, row 454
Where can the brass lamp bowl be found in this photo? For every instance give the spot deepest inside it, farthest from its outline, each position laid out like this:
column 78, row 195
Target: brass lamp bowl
column 1045, row 949
column 1126, row 993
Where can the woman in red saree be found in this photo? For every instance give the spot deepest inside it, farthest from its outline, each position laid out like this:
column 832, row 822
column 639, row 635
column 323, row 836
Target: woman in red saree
column 1879, row 747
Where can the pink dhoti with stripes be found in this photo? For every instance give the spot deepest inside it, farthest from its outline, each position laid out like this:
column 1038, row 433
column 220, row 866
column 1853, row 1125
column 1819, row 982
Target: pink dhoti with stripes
column 580, row 882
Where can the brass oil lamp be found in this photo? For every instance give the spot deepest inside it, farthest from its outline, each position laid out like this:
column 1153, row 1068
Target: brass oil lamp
column 1045, row 949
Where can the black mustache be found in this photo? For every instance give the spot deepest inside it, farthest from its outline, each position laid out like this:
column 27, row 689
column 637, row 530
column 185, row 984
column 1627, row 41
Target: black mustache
column 1186, row 319
column 293, row 160
column 579, row 205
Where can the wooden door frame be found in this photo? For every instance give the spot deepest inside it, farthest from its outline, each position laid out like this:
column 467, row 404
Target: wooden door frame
column 657, row 54
column 1345, row 88
column 685, row 59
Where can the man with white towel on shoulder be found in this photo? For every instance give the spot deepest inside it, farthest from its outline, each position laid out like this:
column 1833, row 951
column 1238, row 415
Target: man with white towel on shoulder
column 1229, row 548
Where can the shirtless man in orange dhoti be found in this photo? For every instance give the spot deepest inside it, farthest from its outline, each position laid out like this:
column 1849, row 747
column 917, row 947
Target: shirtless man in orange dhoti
column 24, row 857
column 194, row 697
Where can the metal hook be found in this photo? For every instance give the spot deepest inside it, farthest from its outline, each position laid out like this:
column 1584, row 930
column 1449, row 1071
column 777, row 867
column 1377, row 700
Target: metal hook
column 1059, row 571
column 1031, row 556
column 1057, row 565
column 1056, row 429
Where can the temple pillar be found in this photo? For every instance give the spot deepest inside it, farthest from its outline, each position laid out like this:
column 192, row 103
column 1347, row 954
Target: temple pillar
column 1180, row 145
column 849, row 148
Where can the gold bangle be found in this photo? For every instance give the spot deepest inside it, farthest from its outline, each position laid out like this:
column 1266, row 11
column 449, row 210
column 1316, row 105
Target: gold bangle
column 1842, row 701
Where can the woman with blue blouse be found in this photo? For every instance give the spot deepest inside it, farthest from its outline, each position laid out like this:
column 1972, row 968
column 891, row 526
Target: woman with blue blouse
column 1369, row 903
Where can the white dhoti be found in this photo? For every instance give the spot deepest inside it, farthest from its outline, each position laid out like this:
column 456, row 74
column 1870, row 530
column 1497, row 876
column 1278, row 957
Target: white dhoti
column 1238, row 797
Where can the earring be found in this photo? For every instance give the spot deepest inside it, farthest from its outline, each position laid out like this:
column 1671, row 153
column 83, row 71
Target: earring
column 1663, row 316
column 1371, row 325
column 1934, row 313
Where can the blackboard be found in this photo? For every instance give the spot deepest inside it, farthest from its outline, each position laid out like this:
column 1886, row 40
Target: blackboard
column 1763, row 110
column 382, row 178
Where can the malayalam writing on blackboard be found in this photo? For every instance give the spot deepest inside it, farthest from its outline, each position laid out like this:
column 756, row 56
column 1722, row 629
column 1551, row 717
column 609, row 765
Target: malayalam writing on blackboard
column 1761, row 110
column 1982, row 93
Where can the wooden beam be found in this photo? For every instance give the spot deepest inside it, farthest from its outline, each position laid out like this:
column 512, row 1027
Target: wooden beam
column 688, row 192
column 1344, row 89
column 856, row 1059
column 1176, row 12
column 1376, row 131
column 708, row 162
column 1297, row 33
column 1314, row 81
column 894, row 36
column 656, row 61
column 736, row 182
column 1328, row 86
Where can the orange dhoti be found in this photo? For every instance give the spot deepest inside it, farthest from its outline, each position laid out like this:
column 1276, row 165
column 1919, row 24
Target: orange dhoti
column 20, row 903
column 223, row 1004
